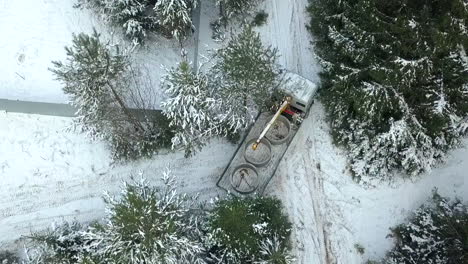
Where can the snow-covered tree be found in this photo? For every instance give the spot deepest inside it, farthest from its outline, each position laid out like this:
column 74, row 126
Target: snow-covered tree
column 190, row 108
column 436, row 234
column 148, row 225
column 233, row 8
column 90, row 75
column 250, row 230
column 244, row 78
column 131, row 15
column 394, row 80
column 93, row 76
column 8, row 257
column 223, row 101
column 175, row 16
column 63, row 244
column 138, row 17
column 143, row 225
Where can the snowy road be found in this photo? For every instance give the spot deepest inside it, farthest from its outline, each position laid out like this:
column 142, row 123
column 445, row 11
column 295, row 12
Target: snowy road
column 48, row 173
column 286, row 31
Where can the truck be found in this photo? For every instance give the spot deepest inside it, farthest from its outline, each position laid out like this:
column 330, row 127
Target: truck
column 264, row 144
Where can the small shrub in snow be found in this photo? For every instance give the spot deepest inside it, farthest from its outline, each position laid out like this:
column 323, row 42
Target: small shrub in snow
column 250, row 230
column 394, row 80
column 217, row 32
column 260, row 18
column 436, row 234
column 8, row 257
column 359, row 248
column 64, row 243
column 148, row 225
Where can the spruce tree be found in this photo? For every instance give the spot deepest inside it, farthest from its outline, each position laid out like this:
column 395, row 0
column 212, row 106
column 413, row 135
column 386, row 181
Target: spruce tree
column 244, row 78
column 436, row 233
column 175, row 16
column 394, row 80
column 190, row 108
column 130, row 15
column 235, row 8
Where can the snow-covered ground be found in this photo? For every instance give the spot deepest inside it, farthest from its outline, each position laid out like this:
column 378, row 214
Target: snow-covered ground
column 331, row 213
column 49, row 173
column 35, row 32
column 286, row 31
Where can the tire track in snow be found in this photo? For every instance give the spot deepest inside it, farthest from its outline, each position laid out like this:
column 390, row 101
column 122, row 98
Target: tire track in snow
column 286, row 31
column 315, row 182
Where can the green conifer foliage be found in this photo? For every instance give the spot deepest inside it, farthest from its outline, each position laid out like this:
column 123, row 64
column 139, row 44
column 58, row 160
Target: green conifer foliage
column 245, row 75
column 395, row 79
column 250, row 230
column 437, row 233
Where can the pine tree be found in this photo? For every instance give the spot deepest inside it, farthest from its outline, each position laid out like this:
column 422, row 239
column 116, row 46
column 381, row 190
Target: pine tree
column 250, row 230
column 394, row 80
column 148, row 225
column 437, row 233
column 190, row 108
column 175, row 16
column 93, row 76
column 90, row 76
column 244, row 78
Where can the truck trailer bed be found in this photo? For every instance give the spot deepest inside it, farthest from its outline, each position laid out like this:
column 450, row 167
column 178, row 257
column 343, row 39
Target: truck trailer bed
column 264, row 173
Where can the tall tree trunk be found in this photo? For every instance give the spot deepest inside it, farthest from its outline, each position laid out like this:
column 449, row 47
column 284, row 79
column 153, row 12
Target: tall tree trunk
column 127, row 112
